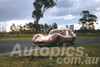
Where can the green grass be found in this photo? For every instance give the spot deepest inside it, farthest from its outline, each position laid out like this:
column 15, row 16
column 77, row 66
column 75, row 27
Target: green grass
column 88, row 34
column 29, row 36
column 34, row 61
column 15, row 36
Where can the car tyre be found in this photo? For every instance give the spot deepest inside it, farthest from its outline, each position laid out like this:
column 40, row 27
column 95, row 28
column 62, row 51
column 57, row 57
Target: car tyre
column 57, row 41
column 73, row 41
column 39, row 45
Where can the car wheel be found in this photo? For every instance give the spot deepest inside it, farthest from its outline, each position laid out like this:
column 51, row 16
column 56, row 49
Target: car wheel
column 38, row 45
column 57, row 41
column 73, row 41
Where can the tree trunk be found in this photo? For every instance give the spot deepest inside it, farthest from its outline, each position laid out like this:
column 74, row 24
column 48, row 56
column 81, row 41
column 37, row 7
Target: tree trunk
column 36, row 22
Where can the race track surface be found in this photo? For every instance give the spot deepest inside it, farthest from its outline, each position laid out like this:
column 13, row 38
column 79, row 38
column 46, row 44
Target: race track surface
column 8, row 45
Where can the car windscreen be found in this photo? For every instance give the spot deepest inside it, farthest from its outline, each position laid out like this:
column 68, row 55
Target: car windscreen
column 57, row 31
column 68, row 33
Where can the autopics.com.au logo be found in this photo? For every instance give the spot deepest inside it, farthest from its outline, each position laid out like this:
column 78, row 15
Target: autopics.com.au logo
column 66, row 55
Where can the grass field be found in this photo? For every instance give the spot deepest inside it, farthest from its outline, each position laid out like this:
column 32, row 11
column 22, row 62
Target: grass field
column 15, row 36
column 29, row 36
column 88, row 34
column 34, row 61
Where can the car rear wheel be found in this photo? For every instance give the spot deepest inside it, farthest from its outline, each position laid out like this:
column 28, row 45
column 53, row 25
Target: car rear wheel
column 73, row 41
column 57, row 41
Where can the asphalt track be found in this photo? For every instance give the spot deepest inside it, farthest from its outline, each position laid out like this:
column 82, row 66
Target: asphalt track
column 8, row 45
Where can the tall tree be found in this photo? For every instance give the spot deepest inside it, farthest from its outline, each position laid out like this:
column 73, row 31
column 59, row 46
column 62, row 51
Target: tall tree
column 40, row 7
column 88, row 20
column 91, row 21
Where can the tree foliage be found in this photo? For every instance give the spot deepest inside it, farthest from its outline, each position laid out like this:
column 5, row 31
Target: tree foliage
column 40, row 7
column 31, row 28
column 13, row 27
column 88, row 20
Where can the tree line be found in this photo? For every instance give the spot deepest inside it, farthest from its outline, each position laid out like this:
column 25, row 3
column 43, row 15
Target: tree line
column 30, row 28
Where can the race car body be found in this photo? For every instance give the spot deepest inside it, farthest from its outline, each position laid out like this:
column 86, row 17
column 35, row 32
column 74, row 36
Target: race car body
column 55, row 36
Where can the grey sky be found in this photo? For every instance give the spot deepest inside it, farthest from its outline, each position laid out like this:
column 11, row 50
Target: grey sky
column 15, row 9
column 66, row 11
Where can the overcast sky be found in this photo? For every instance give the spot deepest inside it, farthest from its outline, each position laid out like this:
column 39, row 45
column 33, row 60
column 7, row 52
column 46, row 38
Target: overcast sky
column 65, row 13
